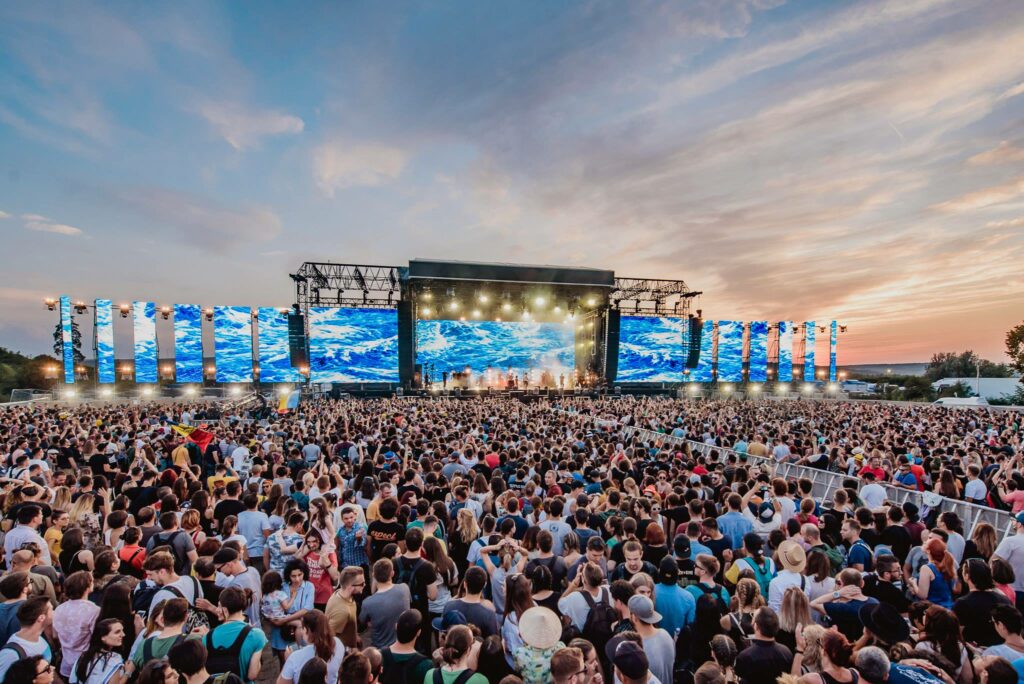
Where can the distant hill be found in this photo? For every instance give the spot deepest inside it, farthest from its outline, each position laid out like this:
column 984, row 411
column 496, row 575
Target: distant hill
column 881, row 368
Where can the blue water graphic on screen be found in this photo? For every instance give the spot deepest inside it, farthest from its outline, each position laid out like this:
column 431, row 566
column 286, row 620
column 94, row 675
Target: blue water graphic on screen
column 274, row 353
column 353, row 345
column 832, row 352
column 188, row 342
column 785, row 351
column 651, row 349
column 703, row 371
column 730, row 351
column 144, row 326
column 809, row 330
column 497, row 346
column 758, row 363
column 105, row 341
column 232, row 343
column 67, row 349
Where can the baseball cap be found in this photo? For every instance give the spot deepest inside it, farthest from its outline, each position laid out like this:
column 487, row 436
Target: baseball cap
column 643, row 608
column 1019, row 518
column 668, row 570
column 681, row 546
column 631, row 660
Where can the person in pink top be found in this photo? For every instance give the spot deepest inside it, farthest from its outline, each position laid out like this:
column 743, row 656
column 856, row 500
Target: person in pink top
column 73, row 620
column 1009, row 493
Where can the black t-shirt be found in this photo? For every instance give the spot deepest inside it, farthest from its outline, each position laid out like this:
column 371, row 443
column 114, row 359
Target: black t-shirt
column 898, row 539
column 678, row 516
column 417, row 574
column 975, row 613
column 225, row 508
column 383, row 533
column 885, row 592
column 763, row 662
column 98, row 463
column 557, row 567
column 140, row 497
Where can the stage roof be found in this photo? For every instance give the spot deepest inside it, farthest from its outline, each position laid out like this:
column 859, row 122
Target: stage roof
column 428, row 269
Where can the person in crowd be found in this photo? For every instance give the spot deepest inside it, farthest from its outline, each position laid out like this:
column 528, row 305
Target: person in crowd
column 389, row 601
column 764, row 660
column 101, row 662
column 314, row 631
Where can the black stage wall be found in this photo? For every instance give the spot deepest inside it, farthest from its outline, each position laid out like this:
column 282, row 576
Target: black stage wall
column 611, row 364
column 406, row 348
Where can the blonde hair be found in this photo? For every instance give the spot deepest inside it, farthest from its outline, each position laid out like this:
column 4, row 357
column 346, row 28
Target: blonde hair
column 748, row 595
column 468, row 528
column 642, row 579
column 61, row 498
column 82, row 506
column 813, row 635
column 794, row 610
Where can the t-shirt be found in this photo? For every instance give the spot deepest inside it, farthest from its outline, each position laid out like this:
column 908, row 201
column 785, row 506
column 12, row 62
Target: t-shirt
column 293, row 666
column 9, row 656
column 859, row 554
column 250, row 579
column 341, row 617
column 975, row 491
column 181, row 545
column 476, row 614
column 559, row 531
column 189, row 588
column 252, row 525
column 319, row 577
column 381, row 610
column 1011, row 550
column 224, row 636
column 101, row 670
column 227, row 507
column 846, row 617
column 449, row 677
column 399, row 665
column 155, row 647
column 383, row 533
column 873, row 495
column 975, row 613
column 762, row 662
column 661, row 654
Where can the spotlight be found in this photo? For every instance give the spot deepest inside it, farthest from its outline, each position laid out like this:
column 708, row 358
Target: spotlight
column 235, row 390
column 727, row 388
column 70, row 394
column 304, row 370
column 462, row 319
column 190, row 391
column 755, row 388
column 426, row 311
column 210, row 370
column 539, row 301
column 428, row 295
column 476, row 313
column 782, row 388
column 51, row 303
column 497, row 319
column 526, row 315
column 80, row 307
column 453, row 305
column 591, row 301
column 694, row 388
column 106, row 392
column 483, row 297
column 208, row 313
column 284, row 390
column 557, row 309
column 808, row 387
column 506, row 306
column 165, row 311
column 147, row 391
column 283, row 311
column 124, row 308
column 832, row 387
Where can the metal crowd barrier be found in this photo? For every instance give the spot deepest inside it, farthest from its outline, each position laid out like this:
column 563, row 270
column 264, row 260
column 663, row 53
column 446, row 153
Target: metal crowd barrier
column 826, row 482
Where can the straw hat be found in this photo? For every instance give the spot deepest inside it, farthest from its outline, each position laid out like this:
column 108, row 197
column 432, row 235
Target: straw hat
column 792, row 556
column 540, row 627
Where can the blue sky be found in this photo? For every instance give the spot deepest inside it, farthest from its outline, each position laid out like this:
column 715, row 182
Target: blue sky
column 794, row 160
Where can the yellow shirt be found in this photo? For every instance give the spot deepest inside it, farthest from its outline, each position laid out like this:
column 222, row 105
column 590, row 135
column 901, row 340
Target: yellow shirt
column 341, row 617
column 180, row 457
column 53, row 538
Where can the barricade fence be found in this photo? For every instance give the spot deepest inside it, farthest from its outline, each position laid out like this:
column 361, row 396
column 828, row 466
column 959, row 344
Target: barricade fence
column 825, row 482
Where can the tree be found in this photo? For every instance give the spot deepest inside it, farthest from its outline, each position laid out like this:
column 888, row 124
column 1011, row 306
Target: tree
column 1015, row 347
column 964, row 365
column 76, row 342
column 957, row 389
column 918, row 388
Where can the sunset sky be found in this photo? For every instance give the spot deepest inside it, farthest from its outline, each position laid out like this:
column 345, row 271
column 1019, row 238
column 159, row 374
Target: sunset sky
column 862, row 161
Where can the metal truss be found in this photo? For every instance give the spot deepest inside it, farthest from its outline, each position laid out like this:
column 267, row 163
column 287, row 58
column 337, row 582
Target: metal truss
column 330, row 284
column 653, row 296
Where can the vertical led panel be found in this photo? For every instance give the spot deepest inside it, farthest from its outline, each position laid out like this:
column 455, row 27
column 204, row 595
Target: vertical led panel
column 232, row 343
column 353, row 345
column 702, row 373
column 730, row 351
column 758, row 362
column 104, row 329
column 809, row 330
column 66, row 340
column 144, row 327
column 651, row 349
column 785, row 351
column 832, row 351
column 188, row 343
column 274, row 353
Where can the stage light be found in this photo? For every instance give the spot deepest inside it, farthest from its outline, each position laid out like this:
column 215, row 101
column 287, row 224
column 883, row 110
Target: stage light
column 283, row 311
column 284, row 390
column 147, row 391
column 235, row 390
column 106, row 392
column 590, row 324
column 782, row 389
column 453, row 305
column 476, row 313
column 165, row 311
column 80, row 307
column 190, row 391
column 497, row 319
column 483, row 298
column 51, row 303
column 558, row 309
column 70, row 394
column 304, row 370
column 210, row 370
column 208, row 313
column 426, row 311
column 506, row 306
column 539, row 301
column 428, row 295
column 727, row 388
column 832, row 387
column 462, row 318
column 694, row 388
column 808, row 387
column 124, row 309
column 591, row 301
column 755, row 388
column 526, row 315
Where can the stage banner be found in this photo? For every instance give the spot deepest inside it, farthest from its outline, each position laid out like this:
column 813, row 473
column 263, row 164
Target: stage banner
column 730, row 351
column 67, row 348
column 353, row 345
column 758, row 360
column 232, row 343
column 274, row 353
column 651, row 349
column 144, row 327
column 785, row 351
column 104, row 331
column 809, row 333
column 703, row 371
column 188, row 342
column 832, row 351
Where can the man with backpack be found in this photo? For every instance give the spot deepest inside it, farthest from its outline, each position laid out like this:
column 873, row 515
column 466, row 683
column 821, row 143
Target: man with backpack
column 588, row 605
column 705, row 568
column 156, row 646
column 234, row 646
column 160, row 567
column 35, row 616
column 189, row 660
column 401, row 662
column 418, row 574
column 177, row 540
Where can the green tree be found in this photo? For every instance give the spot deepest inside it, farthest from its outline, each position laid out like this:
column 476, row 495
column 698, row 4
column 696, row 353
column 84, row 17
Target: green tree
column 964, row 365
column 1015, row 347
column 918, row 388
column 76, row 342
column 957, row 389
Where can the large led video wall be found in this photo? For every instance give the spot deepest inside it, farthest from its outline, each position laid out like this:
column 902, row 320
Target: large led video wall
column 809, row 330
column 785, row 351
column 274, row 353
column 704, row 372
column 758, row 371
column 232, row 343
column 730, row 351
column 188, row 343
column 144, row 327
column 105, row 341
column 832, row 352
column 66, row 339
column 353, row 345
column 495, row 345
column 651, row 349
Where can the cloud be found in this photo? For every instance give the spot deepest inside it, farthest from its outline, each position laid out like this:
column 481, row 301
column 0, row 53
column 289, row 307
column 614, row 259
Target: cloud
column 4, row 215
column 344, row 164
column 58, row 228
column 1005, row 153
column 199, row 221
column 243, row 128
column 987, row 197
column 1011, row 223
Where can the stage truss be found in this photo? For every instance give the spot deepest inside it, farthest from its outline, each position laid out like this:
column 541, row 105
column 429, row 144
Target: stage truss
column 652, row 297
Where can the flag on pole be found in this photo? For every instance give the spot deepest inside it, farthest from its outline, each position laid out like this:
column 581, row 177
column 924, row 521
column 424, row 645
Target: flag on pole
column 197, row 436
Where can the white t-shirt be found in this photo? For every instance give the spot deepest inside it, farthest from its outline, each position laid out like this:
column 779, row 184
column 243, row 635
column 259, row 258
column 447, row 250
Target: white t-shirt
column 975, row 490
column 873, row 495
column 188, row 586
column 239, row 457
column 1011, row 550
column 107, row 666
column 8, row 656
column 293, row 666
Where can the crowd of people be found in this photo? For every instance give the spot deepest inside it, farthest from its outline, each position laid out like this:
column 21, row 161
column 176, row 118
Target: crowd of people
column 441, row 541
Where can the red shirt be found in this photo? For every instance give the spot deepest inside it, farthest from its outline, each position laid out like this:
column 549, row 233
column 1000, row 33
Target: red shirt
column 879, row 472
column 321, row 579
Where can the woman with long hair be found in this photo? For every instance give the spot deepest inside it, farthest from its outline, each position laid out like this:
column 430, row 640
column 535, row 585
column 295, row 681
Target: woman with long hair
column 465, row 533
column 456, row 656
column 191, row 524
column 739, row 623
column 73, row 554
column 61, row 499
column 314, row 631
column 941, row 634
column 321, row 523
column 794, row 612
column 203, row 503
column 102, row 662
column 723, row 652
column 707, row 623
column 82, row 515
column 836, row 653
column 447, row 574
column 1003, row 576
column 937, row 581
column 947, row 485
column 518, row 600
column 982, row 543
column 117, row 604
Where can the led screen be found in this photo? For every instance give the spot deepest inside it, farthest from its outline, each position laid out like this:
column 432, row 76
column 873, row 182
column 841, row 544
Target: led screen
column 104, row 341
column 785, row 351
column 353, row 345
column 832, row 353
column 651, row 349
column 730, row 351
column 758, row 351
column 66, row 338
column 144, row 325
column 702, row 373
column 274, row 353
column 232, row 343
column 809, row 330
column 496, row 346
column 188, row 342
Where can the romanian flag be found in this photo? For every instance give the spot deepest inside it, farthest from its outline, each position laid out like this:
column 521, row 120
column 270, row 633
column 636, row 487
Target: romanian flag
column 197, row 436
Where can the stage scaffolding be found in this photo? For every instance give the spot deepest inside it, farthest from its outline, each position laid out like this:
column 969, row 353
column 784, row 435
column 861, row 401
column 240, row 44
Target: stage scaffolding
column 652, row 296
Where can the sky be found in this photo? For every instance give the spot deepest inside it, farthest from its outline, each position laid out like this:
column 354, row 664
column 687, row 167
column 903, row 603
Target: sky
column 860, row 161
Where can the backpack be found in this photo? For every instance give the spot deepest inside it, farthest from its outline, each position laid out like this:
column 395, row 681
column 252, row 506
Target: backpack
column 225, row 660
column 461, row 679
column 715, row 594
column 96, row 595
column 126, row 564
column 406, row 574
column 147, row 647
column 196, row 618
column 600, row 618
column 180, row 562
column 393, row 672
column 763, row 576
column 142, row 596
column 836, row 559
